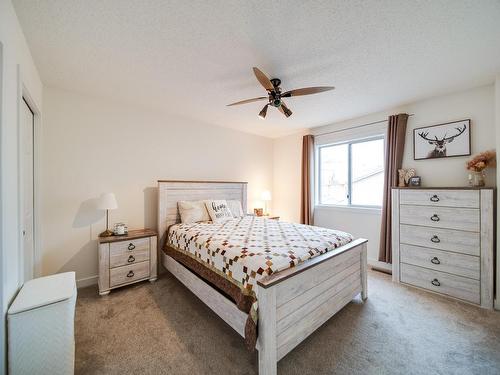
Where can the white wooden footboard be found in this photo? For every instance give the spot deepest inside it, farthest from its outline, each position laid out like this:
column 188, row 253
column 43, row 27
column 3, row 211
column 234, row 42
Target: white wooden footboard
column 295, row 302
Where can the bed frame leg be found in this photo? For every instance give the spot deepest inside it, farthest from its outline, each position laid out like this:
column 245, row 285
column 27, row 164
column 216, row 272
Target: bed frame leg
column 364, row 270
column 268, row 359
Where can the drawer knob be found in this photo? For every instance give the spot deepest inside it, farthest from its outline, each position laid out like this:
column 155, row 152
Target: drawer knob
column 435, row 282
column 435, row 239
column 435, row 217
column 434, row 198
column 130, row 274
column 131, row 259
column 435, row 260
column 131, row 246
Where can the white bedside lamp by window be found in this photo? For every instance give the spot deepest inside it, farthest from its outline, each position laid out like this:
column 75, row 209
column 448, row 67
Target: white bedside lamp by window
column 107, row 202
column 266, row 197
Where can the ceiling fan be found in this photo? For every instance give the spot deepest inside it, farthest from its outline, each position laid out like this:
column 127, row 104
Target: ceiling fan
column 275, row 96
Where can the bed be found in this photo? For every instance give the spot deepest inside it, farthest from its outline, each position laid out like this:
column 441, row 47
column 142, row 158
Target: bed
column 291, row 299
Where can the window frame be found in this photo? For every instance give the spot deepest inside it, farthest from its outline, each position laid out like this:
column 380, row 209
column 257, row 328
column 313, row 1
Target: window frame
column 349, row 173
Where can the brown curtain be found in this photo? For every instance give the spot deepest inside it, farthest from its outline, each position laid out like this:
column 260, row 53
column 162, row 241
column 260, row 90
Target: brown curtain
column 306, row 204
column 394, row 148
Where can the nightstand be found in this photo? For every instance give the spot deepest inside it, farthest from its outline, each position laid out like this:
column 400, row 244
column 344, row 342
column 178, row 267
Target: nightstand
column 127, row 259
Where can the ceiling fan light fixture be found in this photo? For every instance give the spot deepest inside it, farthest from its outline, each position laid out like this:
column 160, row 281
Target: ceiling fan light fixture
column 263, row 112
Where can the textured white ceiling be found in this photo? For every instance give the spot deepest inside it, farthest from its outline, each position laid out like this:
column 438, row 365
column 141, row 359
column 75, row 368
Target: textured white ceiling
column 194, row 57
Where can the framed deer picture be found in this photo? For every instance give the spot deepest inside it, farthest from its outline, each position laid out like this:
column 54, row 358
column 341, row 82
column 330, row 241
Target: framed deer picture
column 442, row 141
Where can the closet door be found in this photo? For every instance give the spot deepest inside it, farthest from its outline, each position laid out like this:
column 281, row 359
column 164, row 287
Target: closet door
column 27, row 131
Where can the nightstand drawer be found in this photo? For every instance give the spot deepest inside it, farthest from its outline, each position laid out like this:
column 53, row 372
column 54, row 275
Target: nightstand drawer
column 455, row 286
column 128, row 246
column 441, row 198
column 118, row 259
column 128, row 274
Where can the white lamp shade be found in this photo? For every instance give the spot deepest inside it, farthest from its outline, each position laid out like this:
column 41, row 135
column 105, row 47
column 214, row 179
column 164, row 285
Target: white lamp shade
column 107, row 201
column 266, row 195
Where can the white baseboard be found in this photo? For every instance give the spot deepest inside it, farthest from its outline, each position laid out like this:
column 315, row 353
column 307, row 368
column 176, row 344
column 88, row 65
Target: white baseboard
column 86, row 281
column 380, row 265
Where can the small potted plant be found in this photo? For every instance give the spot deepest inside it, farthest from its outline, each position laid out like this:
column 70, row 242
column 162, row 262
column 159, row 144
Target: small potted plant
column 478, row 164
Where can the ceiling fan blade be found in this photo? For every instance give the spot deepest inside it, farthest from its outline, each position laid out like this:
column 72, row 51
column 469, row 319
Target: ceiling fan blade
column 263, row 79
column 285, row 110
column 306, row 91
column 248, row 101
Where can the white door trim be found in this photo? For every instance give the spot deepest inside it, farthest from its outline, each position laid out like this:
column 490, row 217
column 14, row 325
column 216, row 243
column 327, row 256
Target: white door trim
column 24, row 94
column 3, row 351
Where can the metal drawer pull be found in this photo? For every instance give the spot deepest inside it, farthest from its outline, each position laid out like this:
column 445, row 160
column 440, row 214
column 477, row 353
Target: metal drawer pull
column 434, row 198
column 131, row 246
column 435, row 260
column 435, row 217
column 130, row 274
column 131, row 259
column 435, row 239
column 435, row 282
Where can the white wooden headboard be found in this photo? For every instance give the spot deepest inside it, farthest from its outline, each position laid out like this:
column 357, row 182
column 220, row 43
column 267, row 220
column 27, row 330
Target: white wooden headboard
column 171, row 192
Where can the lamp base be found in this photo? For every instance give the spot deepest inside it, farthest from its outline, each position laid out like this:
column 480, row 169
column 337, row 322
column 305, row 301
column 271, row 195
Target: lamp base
column 106, row 233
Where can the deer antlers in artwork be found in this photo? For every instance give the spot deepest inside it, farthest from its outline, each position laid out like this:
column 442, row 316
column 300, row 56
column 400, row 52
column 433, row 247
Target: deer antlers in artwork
column 440, row 144
column 445, row 139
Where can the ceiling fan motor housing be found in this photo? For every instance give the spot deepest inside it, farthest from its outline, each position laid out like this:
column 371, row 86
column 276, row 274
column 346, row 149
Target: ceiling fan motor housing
column 276, row 82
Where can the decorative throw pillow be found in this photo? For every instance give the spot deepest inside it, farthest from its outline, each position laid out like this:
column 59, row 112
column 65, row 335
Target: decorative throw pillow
column 235, row 208
column 193, row 211
column 218, row 210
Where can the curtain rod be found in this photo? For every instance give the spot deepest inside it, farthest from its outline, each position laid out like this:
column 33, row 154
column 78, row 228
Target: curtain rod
column 357, row 126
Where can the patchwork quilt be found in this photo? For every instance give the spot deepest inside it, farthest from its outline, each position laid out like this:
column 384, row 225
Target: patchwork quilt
column 233, row 255
column 249, row 248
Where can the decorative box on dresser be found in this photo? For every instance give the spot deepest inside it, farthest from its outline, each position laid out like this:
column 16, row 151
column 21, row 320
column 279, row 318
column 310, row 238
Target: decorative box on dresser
column 442, row 241
column 127, row 259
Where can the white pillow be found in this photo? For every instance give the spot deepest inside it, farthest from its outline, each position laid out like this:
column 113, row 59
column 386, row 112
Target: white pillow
column 218, row 210
column 235, row 208
column 193, row 211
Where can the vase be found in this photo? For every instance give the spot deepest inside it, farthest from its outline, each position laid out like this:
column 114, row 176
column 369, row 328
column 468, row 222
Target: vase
column 476, row 178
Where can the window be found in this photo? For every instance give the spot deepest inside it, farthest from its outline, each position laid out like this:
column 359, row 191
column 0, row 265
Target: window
column 351, row 173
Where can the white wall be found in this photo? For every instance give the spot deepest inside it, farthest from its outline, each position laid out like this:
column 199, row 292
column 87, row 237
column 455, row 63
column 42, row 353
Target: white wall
column 476, row 104
column 287, row 169
column 92, row 146
column 15, row 55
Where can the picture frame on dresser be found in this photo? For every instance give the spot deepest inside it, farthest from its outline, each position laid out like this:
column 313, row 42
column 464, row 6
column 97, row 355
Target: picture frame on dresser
column 443, row 241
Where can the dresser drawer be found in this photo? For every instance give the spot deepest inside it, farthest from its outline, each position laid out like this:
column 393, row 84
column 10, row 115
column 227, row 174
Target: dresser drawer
column 452, row 285
column 441, row 239
column 441, row 198
column 439, row 260
column 441, row 217
column 126, row 247
column 118, row 258
column 127, row 274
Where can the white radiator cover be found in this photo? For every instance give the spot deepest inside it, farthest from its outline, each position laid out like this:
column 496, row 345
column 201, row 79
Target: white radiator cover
column 41, row 326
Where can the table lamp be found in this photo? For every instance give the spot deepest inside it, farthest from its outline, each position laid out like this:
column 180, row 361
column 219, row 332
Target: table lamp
column 266, row 197
column 107, row 202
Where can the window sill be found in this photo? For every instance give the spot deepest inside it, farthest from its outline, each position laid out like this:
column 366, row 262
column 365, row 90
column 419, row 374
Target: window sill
column 352, row 209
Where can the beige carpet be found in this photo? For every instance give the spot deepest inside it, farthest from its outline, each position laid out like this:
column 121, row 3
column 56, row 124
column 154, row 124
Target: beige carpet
column 161, row 328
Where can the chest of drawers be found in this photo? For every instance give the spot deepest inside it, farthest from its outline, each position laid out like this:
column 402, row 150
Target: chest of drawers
column 442, row 241
column 124, row 260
